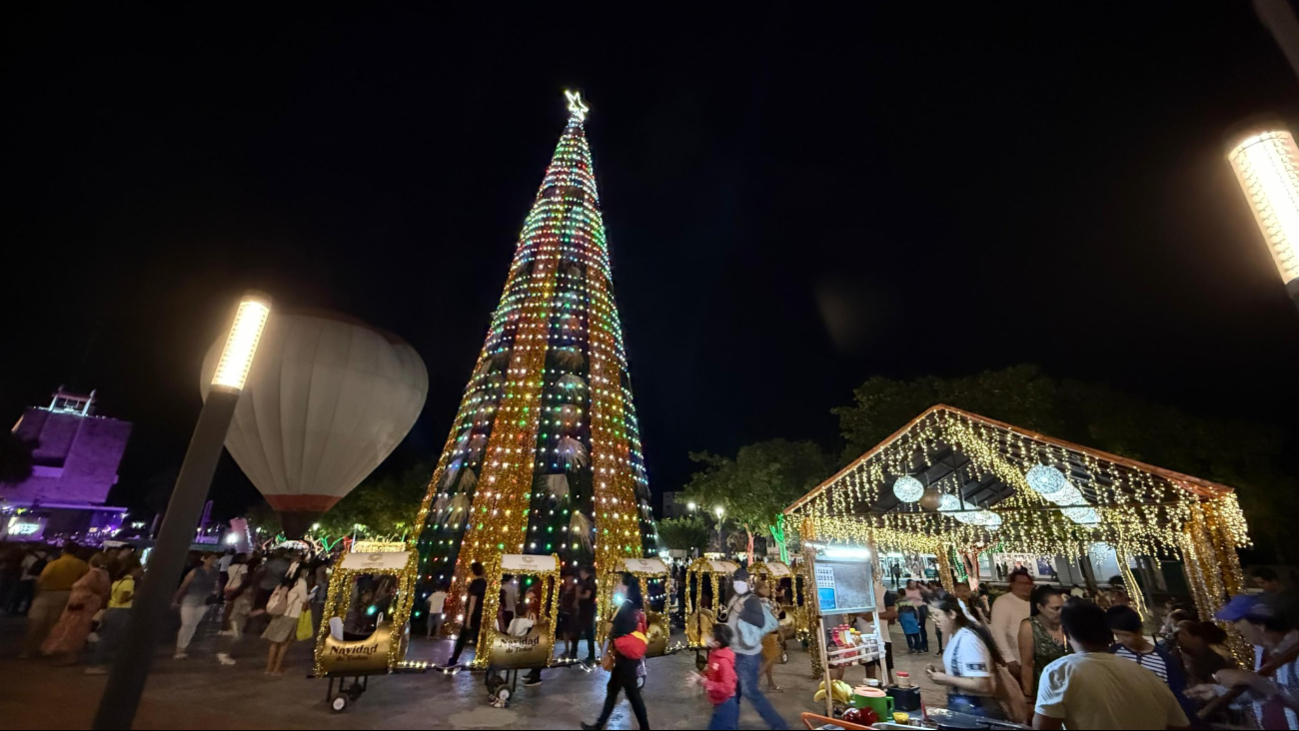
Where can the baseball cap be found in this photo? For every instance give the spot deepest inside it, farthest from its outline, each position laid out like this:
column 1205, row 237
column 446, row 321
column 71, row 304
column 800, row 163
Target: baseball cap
column 1242, row 606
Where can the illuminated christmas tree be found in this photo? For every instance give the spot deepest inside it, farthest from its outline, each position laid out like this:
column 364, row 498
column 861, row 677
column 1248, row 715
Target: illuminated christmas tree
column 545, row 454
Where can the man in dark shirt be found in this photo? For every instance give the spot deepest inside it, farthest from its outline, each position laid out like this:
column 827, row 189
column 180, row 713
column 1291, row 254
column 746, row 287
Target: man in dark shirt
column 586, row 612
column 473, row 610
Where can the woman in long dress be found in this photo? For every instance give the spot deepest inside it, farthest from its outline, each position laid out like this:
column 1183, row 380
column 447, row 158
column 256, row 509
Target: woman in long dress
column 89, row 595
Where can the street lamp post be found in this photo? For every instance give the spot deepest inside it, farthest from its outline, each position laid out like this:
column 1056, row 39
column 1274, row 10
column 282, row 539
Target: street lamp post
column 1266, row 162
column 720, row 511
column 149, row 610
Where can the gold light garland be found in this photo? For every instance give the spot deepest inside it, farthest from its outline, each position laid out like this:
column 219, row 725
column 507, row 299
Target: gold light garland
column 1142, row 511
column 338, row 600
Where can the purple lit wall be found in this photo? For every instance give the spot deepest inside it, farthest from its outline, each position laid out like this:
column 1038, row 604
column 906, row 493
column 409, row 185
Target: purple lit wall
column 75, row 459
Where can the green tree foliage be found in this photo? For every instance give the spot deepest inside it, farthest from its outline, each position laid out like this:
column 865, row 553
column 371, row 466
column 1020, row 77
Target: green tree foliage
column 380, row 508
column 683, row 534
column 1247, row 456
column 760, row 482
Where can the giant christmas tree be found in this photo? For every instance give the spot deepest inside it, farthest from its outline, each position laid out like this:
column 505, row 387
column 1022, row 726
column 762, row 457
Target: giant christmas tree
column 545, row 454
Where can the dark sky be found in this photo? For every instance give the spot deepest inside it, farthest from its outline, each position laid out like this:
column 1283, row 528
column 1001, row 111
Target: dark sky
column 793, row 203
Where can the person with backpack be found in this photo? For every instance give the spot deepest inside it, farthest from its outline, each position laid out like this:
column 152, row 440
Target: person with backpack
column 285, row 608
column 750, row 621
column 720, row 681
column 626, row 650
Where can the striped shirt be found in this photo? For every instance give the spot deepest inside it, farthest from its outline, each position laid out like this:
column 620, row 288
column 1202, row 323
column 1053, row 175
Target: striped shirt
column 1150, row 661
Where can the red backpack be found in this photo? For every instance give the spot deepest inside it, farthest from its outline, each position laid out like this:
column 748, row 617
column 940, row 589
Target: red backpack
column 632, row 646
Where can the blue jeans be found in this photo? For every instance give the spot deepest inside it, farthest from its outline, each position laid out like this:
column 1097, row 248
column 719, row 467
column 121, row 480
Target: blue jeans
column 726, row 717
column 111, row 631
column 747, row 667
column 923, row 613
column 913, row 642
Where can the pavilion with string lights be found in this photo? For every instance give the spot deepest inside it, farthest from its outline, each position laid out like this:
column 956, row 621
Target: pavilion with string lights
column 952, row 484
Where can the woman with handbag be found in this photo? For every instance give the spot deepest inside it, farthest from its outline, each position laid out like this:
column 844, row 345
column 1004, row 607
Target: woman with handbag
column 974, row 673
column 285, row 606
column 622, row 658
column 88, row 596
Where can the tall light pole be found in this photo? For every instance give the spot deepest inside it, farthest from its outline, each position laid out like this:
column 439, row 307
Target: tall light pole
column 1266, row 162
column 720, row 512
column 149, row 610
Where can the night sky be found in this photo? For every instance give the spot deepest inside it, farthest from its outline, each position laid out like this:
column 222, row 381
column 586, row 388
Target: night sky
column 793, row 203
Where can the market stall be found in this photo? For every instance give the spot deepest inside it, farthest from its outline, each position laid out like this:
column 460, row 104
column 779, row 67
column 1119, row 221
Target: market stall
column 954, row 484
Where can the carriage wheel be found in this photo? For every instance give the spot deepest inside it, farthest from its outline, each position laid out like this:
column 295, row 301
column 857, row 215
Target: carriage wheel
column 784, row 657
column 338, row 703
column 640, row 682
column 701, row 662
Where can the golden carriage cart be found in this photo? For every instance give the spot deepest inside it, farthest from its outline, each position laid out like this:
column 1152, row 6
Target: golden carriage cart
column 706, row 608
column 793, row 610
column 507, row 654
column 374, row 581
column 650, row 571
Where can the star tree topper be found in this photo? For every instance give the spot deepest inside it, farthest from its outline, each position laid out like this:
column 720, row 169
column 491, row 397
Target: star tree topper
column 576, row 106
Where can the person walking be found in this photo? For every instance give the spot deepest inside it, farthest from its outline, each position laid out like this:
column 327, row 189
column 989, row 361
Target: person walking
column 772, row 647
column 1131, row 644
column 720, row 681
column 196, row 593
column 750, row 621
column 915, row 593
column 113, row 626
column 1041, row 638
column 436, row 601
column 629, row 619
column 473, row 612
column 88, row 596
column 53, row 588
column 936, row 594
column 586, row 613
column 1094, row 689
column 1008, row 612
column 969, row 662
column 285, row 607
column 233, row 579
column 33, row 563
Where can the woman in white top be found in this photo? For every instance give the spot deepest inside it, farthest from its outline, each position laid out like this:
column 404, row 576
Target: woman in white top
column 969, row 662
column 283, row 629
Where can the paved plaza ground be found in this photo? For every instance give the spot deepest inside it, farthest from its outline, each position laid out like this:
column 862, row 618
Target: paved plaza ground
column 197, row 693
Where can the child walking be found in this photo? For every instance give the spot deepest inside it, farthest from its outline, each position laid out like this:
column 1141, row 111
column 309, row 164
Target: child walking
column 910, row 622
column 720, row 681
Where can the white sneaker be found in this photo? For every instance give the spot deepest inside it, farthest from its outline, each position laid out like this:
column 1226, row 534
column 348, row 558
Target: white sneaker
column 226, row 633
column 179, row 656
column 225, row 659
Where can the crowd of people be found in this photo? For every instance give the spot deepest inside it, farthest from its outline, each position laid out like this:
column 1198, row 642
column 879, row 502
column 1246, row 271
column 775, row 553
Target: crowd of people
column 1044, row 656
column 77, row 602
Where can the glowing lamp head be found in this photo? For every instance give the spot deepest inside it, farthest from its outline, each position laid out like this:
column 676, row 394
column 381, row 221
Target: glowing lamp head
column 237, row 356
column 1266, row 162
column 691, row 506
column 720, row 511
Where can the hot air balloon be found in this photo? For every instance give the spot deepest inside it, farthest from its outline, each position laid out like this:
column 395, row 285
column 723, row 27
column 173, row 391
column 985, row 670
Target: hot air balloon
column 327, row 400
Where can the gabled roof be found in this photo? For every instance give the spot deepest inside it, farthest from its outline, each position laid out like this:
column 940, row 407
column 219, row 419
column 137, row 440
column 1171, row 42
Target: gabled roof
column 985, row 463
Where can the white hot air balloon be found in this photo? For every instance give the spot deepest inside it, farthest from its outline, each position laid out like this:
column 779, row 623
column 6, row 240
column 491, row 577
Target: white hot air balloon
column 327, row 400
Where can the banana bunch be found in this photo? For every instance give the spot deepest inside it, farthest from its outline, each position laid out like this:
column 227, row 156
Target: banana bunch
column 842, row 692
